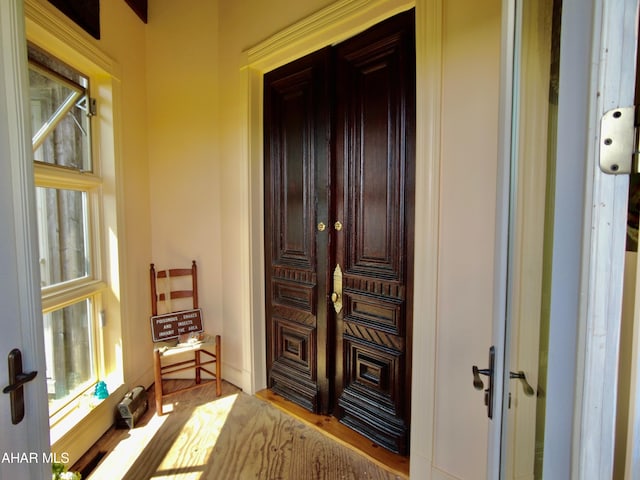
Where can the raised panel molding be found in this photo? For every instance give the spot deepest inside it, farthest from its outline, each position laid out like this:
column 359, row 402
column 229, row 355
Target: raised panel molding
column 294, row 295
column 374, row 336
column 380, row 314
column 295, row 344
column 369, row 394
column 287, row 273
column 382, row 287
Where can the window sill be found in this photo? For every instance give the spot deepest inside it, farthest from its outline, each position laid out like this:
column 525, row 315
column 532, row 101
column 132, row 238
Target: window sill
column 84, row 423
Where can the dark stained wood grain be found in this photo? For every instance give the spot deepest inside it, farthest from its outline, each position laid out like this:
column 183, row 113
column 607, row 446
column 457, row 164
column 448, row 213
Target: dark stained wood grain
column 297, row 132
column 375, row 162
column 340, row 146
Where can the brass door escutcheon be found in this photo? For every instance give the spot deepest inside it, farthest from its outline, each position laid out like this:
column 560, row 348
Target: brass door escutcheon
column 336, row 296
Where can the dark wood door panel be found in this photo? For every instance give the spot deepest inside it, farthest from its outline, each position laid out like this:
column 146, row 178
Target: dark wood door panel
column 374, row 198
column 339, row 146
column 296, row 155
column 293, row 373
column 373, row 398
column 383, row 313
column 374, row 117
column 291, row 169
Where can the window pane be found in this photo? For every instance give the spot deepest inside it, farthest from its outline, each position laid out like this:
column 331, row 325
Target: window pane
column 59, row 120
column 69, row 353
column 63, row 238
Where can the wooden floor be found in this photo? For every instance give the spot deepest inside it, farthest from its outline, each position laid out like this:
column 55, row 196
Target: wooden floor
column 235, row 436
column 330, row 426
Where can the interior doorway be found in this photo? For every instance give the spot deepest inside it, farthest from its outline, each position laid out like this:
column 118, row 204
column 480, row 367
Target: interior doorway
column 339, row 187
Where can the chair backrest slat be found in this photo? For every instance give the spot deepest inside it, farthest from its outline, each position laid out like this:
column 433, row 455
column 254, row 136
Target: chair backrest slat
column 179, row 292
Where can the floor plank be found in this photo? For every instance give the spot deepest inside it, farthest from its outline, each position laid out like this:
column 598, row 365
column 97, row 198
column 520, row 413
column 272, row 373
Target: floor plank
column 330, row 426
column 236, row 436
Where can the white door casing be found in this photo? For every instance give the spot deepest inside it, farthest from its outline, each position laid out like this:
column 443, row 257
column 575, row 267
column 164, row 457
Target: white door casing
column 24, row 447
column 609, row 27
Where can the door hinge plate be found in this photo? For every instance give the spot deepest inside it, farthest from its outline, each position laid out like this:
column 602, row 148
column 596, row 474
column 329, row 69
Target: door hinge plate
column 619, row 141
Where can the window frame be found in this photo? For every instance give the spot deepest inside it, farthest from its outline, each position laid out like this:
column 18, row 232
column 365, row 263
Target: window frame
column 91, row 286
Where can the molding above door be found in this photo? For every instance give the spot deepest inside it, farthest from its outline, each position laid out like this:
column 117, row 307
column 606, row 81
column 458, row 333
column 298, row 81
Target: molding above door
column 330, row 25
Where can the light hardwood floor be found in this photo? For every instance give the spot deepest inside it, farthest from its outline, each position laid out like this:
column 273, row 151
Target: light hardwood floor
column 235, row 436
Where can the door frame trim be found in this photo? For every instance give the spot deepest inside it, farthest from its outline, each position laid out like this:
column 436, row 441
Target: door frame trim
column 16, row 148
column 332, row 24
column 610, row 82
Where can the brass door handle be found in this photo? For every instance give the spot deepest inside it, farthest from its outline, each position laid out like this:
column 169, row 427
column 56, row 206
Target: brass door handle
column 336, row 296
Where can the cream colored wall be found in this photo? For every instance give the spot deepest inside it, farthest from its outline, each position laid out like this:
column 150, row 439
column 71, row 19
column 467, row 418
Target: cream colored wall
column 470, row 98
column 242, row 25
column 184, row 160
column 123, row 38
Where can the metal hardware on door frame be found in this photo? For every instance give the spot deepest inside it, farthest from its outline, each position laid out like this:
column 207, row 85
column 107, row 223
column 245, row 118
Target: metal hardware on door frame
column 619, row 139
column 15, row 389
column 479, row 385
column 321, row 227
column 336, row 296
column 338, row 225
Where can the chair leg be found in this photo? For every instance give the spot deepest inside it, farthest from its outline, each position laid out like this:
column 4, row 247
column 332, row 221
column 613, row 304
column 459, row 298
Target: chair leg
column 218, row 366
column 197, row 367
column 157, row 373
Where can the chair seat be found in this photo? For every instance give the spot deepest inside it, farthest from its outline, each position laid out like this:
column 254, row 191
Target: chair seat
column 167, row 349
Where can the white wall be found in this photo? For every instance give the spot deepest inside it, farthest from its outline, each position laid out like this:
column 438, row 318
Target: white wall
column 184, row 163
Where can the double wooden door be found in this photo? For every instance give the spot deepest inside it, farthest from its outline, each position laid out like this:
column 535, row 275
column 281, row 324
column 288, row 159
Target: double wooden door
column 339, row 187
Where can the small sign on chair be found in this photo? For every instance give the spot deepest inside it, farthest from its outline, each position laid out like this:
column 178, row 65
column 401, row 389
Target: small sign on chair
column 171, row 325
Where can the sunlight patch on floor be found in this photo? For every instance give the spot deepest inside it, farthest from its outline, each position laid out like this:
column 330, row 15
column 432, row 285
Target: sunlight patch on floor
column 210, row 417
column 183, row 451
column 124, row 455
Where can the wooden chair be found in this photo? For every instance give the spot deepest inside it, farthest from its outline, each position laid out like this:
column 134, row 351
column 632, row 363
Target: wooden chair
column 177, row 331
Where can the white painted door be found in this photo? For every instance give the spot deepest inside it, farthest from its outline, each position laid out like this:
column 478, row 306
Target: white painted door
column 561, row 238
column 24, row 447
column 535, row 100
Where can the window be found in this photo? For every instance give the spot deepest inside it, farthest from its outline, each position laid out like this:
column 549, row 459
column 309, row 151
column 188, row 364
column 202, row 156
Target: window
column 68, row 204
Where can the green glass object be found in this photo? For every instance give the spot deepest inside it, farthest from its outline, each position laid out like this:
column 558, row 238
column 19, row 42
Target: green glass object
column 101, row 391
